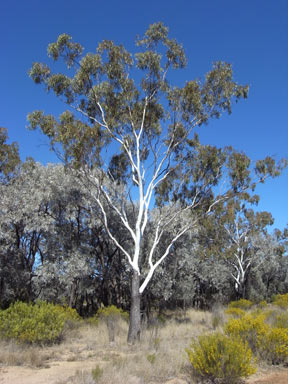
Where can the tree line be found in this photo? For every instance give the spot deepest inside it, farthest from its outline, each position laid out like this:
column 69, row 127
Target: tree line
column 54, row 247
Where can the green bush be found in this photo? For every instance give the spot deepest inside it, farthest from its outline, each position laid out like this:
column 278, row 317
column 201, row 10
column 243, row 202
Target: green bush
column 96, row 373
column 219, row 357
column 242, row 304
column 41, row 323
column 111, row 316
column 68, row 313
column 70, row 316
column 94, row 320
column 112, row 312
column 151, row 358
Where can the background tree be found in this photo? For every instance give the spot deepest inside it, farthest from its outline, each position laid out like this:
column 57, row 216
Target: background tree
column 52, row 248
column 78, row 263
column 23, row 222
column 9, row 156
column 272, row 275
column 133, row 140
column 189, row 277
column 234, row 233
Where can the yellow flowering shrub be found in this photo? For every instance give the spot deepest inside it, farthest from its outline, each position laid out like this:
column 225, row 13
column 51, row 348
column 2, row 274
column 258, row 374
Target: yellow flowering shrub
column 269, row 314
column 242, row 304
column 280, row 320
column 281, row 301
column 263, row 304
column 235, row 312
column 248, row 328
column 277, row 318
column 41, row 323
column 270, row 342
column 222, row 358
column 274, row 346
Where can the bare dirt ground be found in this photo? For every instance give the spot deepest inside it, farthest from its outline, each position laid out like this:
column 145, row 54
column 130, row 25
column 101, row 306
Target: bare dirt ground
column 63, row 372
column 275, row 376
column 57, row 372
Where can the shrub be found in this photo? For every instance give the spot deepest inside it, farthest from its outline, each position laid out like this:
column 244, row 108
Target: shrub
column 68, row 313
column 70, row 316
column 235, row 312
column 219, row 357
column 40, row 323
column 248, row 328
column 270, row 315
column 111, row 316
column 274, row 346
column 94, row 320
column 280, row 320
column 263, row 304
column 112, row 311
column 242, row 304
column 281, row 301
column 151, row 358
column 96, row 373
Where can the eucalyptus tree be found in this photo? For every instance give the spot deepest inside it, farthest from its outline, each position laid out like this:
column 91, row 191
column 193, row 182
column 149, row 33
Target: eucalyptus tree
column 273, row 273
column 235, row 233
column 128, row 126
column 9, row 156
column 60, row 269
column 31, row 231
column 23, row 222
column 77, row 260
column 9, row 160
column 188, row 278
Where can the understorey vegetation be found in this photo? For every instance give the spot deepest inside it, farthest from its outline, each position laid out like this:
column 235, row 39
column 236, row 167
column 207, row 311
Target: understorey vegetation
column 251, row 334
column 225, row 353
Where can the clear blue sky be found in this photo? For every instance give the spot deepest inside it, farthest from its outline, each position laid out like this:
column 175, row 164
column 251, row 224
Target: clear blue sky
column 250, row 34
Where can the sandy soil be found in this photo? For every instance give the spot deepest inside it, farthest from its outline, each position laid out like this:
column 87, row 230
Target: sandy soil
column 57, row 372
column 275, row 376
column 63, row 371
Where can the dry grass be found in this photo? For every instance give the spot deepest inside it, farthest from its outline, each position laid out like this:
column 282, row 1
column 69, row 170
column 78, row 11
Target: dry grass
column 159, row 356
column 81, row 377
column 12, row 353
